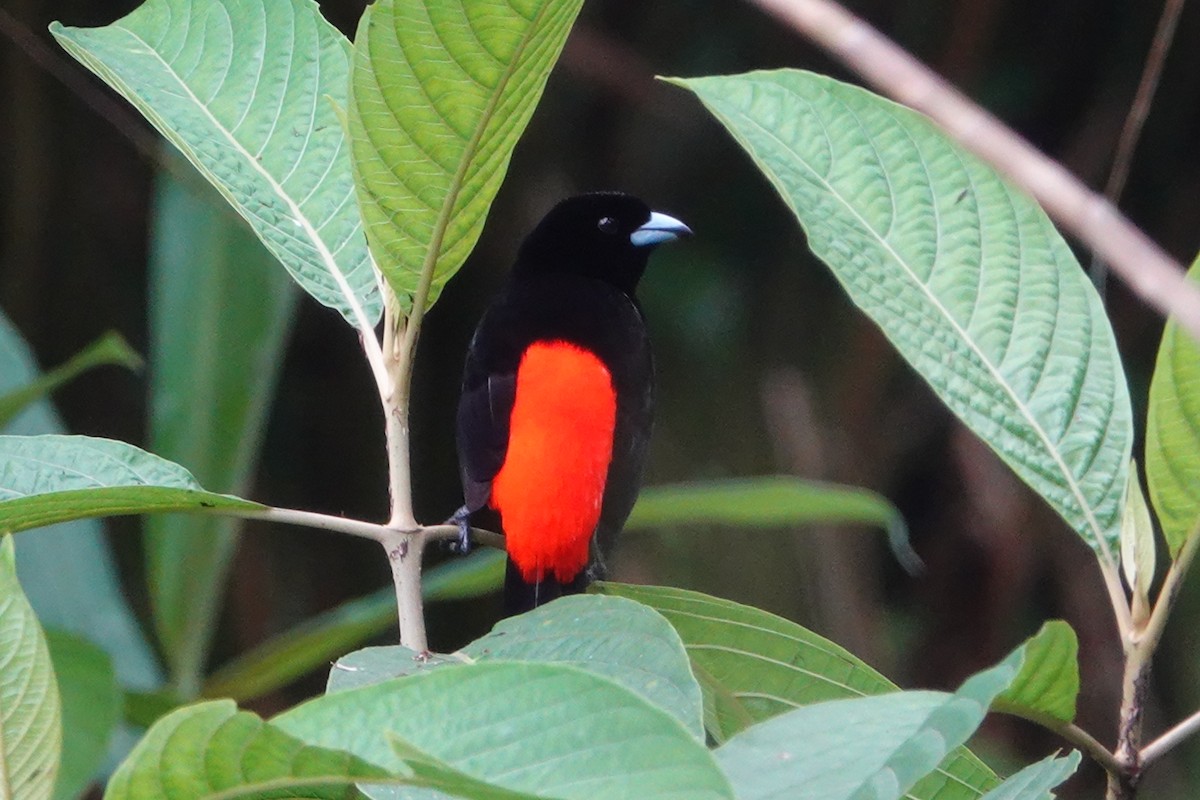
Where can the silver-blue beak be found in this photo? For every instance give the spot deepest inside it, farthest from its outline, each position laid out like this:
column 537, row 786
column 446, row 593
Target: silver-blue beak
column 661, row 228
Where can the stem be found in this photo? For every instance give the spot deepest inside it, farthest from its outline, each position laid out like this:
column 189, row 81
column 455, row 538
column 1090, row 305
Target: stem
column 1139, row 653
column 1152, row 274
column 1163, row 744
column 405, row 541
column 1164, row 34
column 311, row 519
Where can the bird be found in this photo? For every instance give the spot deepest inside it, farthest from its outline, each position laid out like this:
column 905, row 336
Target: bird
column 557, row 400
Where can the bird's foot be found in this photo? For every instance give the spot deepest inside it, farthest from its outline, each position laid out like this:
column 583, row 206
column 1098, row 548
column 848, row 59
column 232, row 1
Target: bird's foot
column 462, row 520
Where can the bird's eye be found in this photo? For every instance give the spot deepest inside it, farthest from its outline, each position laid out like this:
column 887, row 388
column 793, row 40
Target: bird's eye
column 607, row 225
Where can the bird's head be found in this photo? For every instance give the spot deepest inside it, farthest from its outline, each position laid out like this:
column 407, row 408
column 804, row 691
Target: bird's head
column 606, row 235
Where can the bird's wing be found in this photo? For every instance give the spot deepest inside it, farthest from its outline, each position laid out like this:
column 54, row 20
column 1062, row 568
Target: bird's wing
column 483, row 420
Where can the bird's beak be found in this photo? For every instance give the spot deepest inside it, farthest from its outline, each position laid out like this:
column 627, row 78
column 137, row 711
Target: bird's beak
column 661, row 228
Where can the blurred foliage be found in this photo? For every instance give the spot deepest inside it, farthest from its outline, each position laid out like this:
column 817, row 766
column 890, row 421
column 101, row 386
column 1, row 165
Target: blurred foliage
column 763, row 366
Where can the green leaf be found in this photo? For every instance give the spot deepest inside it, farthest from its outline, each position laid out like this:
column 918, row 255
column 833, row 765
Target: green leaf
column 871, row 748
column 1137, row 547
column 220, row 315
column 317, row 641
column 546, row 729
column 91, row 709
column 48, row 479
column 243, row 88
column 81, row 593
column 1049, row 681
column 109, row 349
column 440, row 94
column 1035, row 781
column 965, row 275
column 753, row 666
column 609, row 636
column 213, row 750
column 770, row 501
column 31, row 718
column 1173, row 434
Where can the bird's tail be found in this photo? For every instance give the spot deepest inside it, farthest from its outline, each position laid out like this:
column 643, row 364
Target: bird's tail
column 521, row 595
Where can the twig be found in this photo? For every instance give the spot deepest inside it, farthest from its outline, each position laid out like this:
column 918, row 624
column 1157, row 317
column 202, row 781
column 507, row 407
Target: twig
column 1164, row 35
column 1150, row 273
column 355, row 527
column 1164, row 743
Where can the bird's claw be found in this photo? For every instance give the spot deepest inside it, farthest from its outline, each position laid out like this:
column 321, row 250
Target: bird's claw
column 462, row 520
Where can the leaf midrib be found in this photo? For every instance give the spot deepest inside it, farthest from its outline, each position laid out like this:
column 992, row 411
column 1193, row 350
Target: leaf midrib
column 1071, row 484
column 429, row 267
column 295, row 212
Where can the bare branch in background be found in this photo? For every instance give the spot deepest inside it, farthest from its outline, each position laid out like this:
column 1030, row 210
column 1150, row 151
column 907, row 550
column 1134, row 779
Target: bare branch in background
column 1153, row 275
column 1164, row 35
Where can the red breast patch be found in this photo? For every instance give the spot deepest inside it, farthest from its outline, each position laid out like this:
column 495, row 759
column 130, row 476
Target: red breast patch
column 551, row 485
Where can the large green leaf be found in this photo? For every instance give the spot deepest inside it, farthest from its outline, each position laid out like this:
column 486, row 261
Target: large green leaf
column 610, row 636
column 1173, row 434
column 81, row 593
column 1035, row 781
column 30, row 710
column 91, row 709
column 769, row 501
column 870, row 748
column 247, row 90
column 440, row 94
column 220, row 314
column 965, row 275
column 213, row 750
column 547, row 729
column 48, row 479
column 753, row 666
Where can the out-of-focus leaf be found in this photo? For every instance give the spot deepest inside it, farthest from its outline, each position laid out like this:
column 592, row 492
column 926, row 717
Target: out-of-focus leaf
column 324, row 638
column 213, row 750
column 753, row 666
column 440, row 94
column 31, row 718
column 243, row 89
column 91, row 709
column 1173, row 434
column 81, row 593
column 870, row 748
column 220, row 315
column 548, row 729
column 965, row 275
column 109, row 349
column 610, row 636
column 770, row 501
column 1049, row 681
column 48, row 479
column 463, row 578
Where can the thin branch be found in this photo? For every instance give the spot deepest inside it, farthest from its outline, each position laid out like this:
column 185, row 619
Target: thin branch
column 1164, row 35
column 1166, row 742
column 311, row 519
column 1152, row 274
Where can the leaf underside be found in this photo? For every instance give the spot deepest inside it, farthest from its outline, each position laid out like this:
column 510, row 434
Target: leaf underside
column 965, row 275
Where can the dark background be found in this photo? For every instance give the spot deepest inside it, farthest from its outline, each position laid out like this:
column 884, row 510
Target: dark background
column 764, row 366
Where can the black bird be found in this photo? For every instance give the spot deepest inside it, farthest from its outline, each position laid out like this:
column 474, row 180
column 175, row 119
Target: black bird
column 558, row 395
